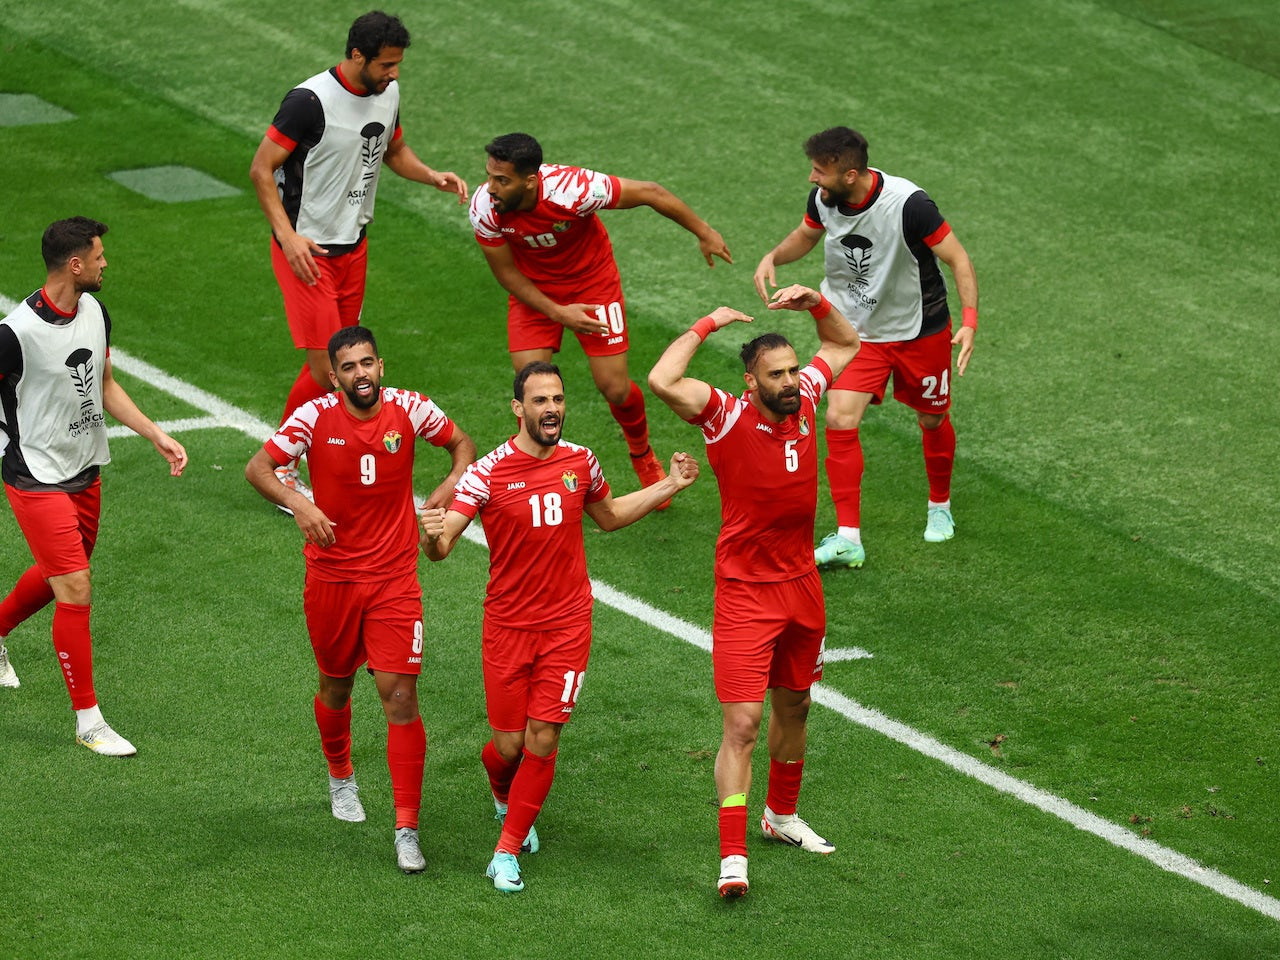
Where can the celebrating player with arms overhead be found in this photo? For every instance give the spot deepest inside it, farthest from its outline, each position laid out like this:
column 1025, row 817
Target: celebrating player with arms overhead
column 770, row 617
column 537, row 224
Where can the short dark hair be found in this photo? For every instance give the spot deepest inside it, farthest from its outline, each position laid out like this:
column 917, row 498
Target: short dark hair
column 532, row 369
column 375, row 30
column 63, row 239
column 518, row 149
column 349, row 337
column 839, row 145
column 753, row 349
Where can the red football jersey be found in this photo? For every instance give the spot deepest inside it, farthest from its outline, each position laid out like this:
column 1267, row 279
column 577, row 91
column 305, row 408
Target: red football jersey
column 532, row 511
column 561, row 240
column 362, row 478
column 768, row 477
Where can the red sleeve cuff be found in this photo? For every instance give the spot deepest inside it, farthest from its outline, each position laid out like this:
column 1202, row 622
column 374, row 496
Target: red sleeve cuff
column 935, row 238
column 275, row 136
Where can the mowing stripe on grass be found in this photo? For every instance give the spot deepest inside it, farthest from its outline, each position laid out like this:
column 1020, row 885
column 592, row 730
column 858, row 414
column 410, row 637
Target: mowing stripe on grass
column 222, row 413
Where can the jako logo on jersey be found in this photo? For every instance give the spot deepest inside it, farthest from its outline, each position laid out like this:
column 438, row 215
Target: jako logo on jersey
column 804, row 425
column 518, row 485
column 338, row 441
column 570, row 480
column 857, row 251
column 80, row 363
column 765, row 427
column 560, row 226
column 391, row 440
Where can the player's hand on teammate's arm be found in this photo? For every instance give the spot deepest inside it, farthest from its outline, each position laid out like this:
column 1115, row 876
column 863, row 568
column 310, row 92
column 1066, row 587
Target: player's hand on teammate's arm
column 441, row 496
column 712, row 244
column 684, row 469
column 795, row 297
column 450, row 182
column 299, row 252
column 582, row 318
column 172, row 451
column 964, row 340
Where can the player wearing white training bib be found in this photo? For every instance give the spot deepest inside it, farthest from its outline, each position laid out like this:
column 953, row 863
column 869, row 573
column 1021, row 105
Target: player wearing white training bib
column 56, row 386
column 883, row 238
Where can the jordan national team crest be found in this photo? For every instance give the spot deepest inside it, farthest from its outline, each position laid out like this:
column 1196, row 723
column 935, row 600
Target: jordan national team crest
column 570, row 480
column 804, row 425
column 391, row 440
column 560, row 226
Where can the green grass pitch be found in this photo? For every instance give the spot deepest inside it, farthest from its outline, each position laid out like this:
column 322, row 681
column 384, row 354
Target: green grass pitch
column 1102, row 629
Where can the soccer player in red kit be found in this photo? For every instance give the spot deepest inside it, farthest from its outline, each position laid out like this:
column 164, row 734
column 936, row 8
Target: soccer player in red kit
column 537, row 224
column 531, row 494
column 316, row 175
column 362, row 599
column 770, row 617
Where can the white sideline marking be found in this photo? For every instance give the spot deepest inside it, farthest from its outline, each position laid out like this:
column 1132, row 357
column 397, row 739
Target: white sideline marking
column 224, row 414
column 840, row 654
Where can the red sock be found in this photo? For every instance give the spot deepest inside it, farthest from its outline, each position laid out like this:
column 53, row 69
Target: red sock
column 31, row 593
column 631, row 418
column 844, row 474
column 939, row 459
column 74, row 647
column 733, row 831
column 335, row 738
column 304, row 388
column 500, row 772
column 529, row 789
column 784, row 786
column 406, row 758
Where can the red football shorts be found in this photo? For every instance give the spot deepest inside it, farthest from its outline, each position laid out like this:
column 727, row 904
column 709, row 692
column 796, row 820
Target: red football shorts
column 921, row 372
column 316, row 313
column 61, row 528
column 767, row 635
column 527, row 329
column 378, row 622
column 533, row 674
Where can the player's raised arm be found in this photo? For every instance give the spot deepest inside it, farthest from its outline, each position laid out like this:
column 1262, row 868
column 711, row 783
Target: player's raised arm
column 646, row 193
column 685, row 395
column 793, row 246
column 839, row 341
column 614, row 513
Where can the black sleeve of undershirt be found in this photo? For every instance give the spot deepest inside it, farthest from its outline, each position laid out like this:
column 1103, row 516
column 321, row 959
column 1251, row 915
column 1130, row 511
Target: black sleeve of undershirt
column 300, row 117
column 811, row 208
column 10, row 352
column 920, row 217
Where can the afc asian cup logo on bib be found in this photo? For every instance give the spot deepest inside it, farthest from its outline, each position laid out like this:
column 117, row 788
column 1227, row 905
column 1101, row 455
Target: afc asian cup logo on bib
column 391, row 440
column 804, row 425
column 570, row 480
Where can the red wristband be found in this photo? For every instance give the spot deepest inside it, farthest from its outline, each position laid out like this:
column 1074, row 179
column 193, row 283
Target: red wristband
column 969, row 318
column 822, row 309
column 703, row 328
